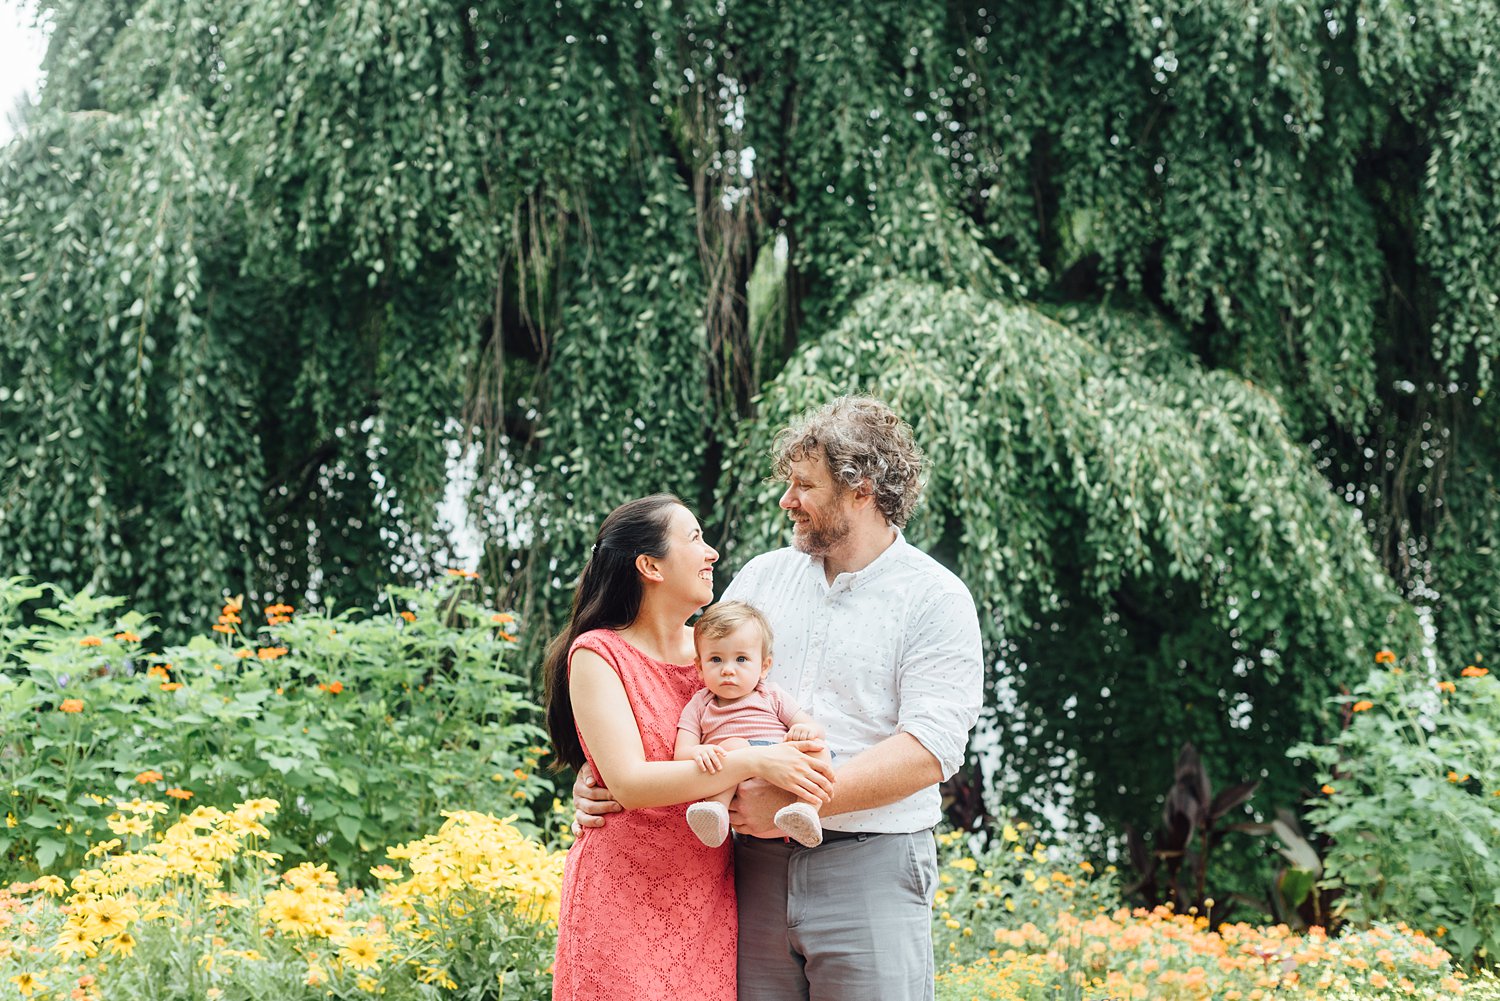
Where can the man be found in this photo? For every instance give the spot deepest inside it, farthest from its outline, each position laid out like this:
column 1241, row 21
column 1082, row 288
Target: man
column 881, row 645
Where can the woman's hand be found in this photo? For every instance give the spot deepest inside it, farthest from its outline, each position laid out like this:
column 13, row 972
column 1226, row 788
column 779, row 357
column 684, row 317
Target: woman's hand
column 791, row 766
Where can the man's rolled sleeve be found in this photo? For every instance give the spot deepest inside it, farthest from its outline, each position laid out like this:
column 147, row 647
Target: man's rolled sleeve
column 942, row 678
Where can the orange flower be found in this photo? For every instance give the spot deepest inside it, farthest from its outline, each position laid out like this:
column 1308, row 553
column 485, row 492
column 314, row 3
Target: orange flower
column 1474, row 672
column 1447, row 686
column 220, row 627
column 71, row 706
column 466, row 574
column 230, row 618
column 1362, row 705
column 157, row 671
column 179, row 794
column 409, row 616
column 170, row 686
column 1385, row 657
column 127, row 636
column 271, row 652
column 507, row 637
column 1456, row 778
column 90, row 641
column 149, row 776
column 278, row 620
column 335, row 688
column 279, row 609
column 233, row 605
column 503, row 618
column 242, row 654
column 1327, row 790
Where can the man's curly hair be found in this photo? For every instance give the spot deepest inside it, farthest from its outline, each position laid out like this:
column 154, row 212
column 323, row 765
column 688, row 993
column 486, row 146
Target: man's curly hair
column 866, row 446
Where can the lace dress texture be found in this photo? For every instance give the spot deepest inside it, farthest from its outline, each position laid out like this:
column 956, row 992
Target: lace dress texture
column 648, row 911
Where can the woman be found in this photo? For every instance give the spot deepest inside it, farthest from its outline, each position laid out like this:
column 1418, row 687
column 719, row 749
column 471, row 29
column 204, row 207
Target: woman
column 648, row 910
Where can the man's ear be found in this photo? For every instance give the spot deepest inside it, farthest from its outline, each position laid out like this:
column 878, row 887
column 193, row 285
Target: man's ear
column 645, row 565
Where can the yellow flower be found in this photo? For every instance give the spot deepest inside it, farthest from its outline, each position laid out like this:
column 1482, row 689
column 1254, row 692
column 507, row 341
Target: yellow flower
column 50, row 885
column 122, row 944
column 361, row 953
column 1009, row 833
column 74, row 940
column 104, row 917
column 27, row 982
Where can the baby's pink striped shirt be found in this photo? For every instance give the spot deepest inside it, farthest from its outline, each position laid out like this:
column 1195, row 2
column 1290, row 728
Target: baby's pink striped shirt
column 764, row 714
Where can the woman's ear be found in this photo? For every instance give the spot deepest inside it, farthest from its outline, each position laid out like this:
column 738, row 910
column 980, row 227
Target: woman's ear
column 645, row 565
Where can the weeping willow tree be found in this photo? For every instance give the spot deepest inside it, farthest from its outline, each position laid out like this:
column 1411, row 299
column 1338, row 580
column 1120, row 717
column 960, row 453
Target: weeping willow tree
column 1192, row 304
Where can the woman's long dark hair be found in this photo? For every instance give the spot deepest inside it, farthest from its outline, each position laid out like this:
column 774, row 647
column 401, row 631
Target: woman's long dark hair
column 608, row 597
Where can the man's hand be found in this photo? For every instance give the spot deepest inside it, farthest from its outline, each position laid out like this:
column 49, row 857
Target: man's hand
column 591, row 801
column 710, row 757
column 753, row 809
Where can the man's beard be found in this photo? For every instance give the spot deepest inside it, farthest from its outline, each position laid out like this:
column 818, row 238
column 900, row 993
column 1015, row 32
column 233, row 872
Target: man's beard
column 817, row 538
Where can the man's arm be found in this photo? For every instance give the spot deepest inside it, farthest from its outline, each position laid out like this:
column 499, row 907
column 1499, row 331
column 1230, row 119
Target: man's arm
column 940, row 690
column 884, row 774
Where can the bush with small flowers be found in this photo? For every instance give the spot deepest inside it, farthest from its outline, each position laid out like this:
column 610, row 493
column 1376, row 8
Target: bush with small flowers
column 196, row 909
column 363, row 723
column 1013, row 921
column 1410, row 797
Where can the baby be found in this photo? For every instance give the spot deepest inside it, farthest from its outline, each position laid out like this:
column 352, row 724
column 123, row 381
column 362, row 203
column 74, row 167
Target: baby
column 738, row 708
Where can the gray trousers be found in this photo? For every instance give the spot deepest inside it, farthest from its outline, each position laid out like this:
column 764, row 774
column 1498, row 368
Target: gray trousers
column 850, row 920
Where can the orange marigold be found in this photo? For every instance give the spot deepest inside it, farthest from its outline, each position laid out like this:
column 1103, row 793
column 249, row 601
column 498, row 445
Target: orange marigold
column 409, row 616
column 1447, row 686
column 90, row 641
column 334, row 688
column 1474, row 672
column 1327, row 790
column 179, row 794
column 220, row 627
column 271, row 652
column 149, row 776
column 126, row 636
column 279, row 609
column 1385, row 657
column 1362, row 705
column 71, row 706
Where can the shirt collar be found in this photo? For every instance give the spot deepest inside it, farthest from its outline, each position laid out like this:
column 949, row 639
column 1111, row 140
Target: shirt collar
column 857, row 579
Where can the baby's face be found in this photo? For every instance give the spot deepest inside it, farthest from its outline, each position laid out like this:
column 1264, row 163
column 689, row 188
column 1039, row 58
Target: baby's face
column 733, row 664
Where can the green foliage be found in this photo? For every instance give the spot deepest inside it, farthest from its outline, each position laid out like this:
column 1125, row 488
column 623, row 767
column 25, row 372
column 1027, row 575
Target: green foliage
column 264, row 263
column 363, row 726
column 1153, row 558
column 1412, row 802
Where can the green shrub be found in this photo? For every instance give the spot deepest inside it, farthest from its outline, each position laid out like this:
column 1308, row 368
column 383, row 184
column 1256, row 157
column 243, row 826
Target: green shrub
column 363, row 725
column 1411, row 798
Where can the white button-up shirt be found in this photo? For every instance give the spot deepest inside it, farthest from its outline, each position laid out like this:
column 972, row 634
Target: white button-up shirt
column 893, row 648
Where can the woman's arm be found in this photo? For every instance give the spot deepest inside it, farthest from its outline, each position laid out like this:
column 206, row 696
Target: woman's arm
column 608, row 727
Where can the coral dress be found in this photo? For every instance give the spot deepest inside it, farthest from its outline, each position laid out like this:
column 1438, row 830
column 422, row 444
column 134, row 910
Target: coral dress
column 648, row 910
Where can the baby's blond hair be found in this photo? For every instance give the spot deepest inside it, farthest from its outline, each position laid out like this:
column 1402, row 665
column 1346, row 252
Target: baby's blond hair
column 718, row 621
